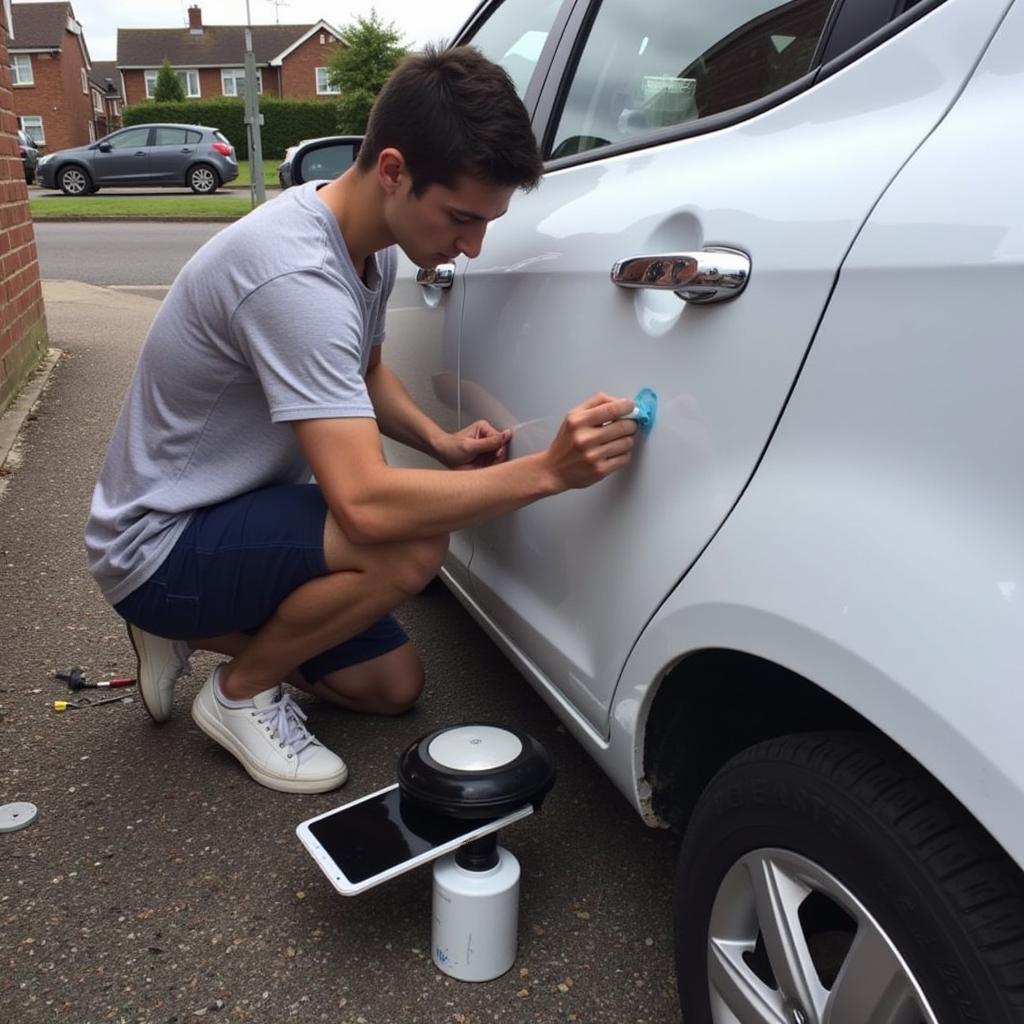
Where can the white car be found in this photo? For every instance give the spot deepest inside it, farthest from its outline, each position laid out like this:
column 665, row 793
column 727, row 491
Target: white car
column 794, row 626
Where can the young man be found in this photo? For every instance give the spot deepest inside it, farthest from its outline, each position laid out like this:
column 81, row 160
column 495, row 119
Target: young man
column 263, row 366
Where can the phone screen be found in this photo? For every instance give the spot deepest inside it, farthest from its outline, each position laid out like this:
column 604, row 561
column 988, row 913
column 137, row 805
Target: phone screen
column 372, row 836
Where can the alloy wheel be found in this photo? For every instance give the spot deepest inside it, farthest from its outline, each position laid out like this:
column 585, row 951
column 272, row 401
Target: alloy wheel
column 73, row 181
column 202, row 179
column 788, row 943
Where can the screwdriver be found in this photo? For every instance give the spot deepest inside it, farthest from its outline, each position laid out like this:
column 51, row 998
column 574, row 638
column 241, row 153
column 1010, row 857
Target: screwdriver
column 75, row 678
column 72, row 705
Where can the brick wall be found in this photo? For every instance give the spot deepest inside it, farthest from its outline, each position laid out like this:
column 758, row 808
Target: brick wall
column 298, row 71
column 23, row 338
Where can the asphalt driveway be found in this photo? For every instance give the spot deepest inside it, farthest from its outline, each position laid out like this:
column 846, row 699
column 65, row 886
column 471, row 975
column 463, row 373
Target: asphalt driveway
column 159, row 884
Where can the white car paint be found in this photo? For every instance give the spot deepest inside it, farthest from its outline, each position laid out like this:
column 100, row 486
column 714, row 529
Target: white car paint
column 872, row 546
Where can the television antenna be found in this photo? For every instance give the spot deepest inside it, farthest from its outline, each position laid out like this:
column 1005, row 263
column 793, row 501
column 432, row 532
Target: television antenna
column 278, row 4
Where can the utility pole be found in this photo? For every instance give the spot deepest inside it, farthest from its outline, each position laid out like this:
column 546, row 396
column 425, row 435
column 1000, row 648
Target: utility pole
column 253, row 118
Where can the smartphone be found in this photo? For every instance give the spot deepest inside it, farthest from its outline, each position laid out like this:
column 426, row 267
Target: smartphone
column 383, row 835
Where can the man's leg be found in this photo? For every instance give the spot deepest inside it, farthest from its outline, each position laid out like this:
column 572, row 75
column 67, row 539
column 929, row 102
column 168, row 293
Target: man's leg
column 364, row 583
column 388, row 684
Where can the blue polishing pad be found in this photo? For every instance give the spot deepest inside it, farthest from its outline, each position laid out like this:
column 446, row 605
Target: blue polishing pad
column 646, row 410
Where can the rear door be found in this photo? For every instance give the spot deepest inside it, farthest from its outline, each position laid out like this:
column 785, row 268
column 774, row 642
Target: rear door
column 675, row 129
column 171, row 153
column 127, row 161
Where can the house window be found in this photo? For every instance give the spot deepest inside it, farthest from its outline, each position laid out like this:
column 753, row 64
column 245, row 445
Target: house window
column 189, row 78
column 32, row 126
column 21, row 69
column 97, row 101
column 85, row 81
column 232, row 81
column 323, row 87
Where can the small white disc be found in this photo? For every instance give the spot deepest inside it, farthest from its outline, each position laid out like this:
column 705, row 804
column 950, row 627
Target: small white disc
column 475, row 748
column 16, row 816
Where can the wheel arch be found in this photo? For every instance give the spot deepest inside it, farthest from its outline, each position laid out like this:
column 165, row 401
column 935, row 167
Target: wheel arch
column 715, row 703
column 81, row 165
column 203, row 163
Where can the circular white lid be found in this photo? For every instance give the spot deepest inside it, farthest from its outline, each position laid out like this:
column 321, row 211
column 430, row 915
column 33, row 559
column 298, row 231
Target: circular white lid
column 16, row 816
column 475, row 748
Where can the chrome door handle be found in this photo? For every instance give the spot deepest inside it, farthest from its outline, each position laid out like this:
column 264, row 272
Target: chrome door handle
column 437, row 277
column 714, row 274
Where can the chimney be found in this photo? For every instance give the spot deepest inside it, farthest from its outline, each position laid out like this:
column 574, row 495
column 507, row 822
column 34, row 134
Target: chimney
column 195, row 20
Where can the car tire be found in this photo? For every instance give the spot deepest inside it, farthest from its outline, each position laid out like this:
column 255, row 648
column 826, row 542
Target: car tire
column 202, row 179
column 74, row 181
column 29, row 178
column 839, row 854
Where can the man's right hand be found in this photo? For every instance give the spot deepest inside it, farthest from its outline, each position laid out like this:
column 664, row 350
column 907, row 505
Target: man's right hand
column 592, row 442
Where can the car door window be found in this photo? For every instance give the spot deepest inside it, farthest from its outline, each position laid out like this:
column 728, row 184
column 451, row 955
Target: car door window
column 132, row 139
column 669, row 62
column 514, row 35
column 172, row 137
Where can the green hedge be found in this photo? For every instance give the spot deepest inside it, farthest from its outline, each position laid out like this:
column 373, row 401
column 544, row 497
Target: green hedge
column 285, row 122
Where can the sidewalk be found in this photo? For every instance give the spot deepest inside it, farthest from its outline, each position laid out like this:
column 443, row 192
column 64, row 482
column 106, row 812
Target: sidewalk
column 159, row 885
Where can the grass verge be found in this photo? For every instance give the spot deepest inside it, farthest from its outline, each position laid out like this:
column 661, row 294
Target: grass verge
column 138, row 207
column 269, row 174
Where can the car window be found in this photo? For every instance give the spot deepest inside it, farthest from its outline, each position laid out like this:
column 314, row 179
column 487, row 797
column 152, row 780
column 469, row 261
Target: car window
column 668, row 62
column 514, row 35
column 131, row 139
column 173, row 137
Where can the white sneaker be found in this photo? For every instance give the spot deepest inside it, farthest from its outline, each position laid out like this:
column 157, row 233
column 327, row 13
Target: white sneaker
column 159, row 662
column 269, row 738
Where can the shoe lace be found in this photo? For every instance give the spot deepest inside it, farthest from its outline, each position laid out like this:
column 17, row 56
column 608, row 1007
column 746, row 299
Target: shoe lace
column 285, row 719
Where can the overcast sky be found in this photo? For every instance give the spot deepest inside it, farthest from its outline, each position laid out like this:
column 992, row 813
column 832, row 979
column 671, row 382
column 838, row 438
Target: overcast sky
column 419, row 21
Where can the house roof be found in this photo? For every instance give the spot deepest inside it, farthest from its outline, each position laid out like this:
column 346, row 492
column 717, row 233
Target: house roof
column 217, row 46
column 105, row 75
column 39, row 26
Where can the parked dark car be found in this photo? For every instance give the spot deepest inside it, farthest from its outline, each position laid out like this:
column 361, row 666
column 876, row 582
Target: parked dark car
column 147, row 154
column 332, row 160
column 29, row 156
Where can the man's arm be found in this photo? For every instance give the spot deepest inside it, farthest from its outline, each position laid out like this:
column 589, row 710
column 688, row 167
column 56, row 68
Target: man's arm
column 374, row 502
column 401, row 419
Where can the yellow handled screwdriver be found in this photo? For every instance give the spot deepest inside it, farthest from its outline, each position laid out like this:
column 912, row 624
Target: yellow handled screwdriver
column 73, row 705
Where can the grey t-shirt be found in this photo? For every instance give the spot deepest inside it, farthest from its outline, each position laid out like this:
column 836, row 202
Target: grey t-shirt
column 268, row 322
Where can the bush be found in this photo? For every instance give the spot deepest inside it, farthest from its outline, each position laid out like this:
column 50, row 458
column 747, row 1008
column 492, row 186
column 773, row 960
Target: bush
column 285, row 122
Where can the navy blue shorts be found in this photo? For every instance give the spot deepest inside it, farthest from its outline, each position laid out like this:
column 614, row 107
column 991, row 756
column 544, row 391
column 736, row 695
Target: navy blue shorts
column 234, row 565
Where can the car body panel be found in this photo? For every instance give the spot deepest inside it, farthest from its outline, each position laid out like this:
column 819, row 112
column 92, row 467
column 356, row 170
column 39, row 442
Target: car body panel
column 542, row 327
column 878, row 549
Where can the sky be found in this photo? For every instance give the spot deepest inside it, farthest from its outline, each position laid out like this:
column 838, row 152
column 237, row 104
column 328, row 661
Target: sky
column 418, row 21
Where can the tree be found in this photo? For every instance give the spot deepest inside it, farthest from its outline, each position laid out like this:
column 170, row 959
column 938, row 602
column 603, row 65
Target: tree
column 359, row 69
column 168, row 88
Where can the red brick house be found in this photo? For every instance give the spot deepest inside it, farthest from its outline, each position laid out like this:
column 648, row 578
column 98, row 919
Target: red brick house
column 107, row 101
column 23, row 338
column 291, row 60
column 49, row 70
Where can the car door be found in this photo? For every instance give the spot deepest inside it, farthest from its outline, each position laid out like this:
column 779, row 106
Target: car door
column 676, row 129
column 171, row 153
column 425, row 309
column 122, row 158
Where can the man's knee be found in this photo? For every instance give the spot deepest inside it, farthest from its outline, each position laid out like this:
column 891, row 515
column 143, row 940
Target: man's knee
column 402, row 690
column 418, row 563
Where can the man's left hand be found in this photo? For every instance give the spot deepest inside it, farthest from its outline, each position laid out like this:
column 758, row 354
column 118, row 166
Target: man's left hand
column 475, row 446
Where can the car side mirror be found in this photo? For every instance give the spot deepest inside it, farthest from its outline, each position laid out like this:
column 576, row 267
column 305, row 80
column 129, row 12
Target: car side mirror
column 104, row 147
column 323, row 158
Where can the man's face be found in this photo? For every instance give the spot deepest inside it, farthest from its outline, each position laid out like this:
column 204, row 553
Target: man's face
column 443, row 223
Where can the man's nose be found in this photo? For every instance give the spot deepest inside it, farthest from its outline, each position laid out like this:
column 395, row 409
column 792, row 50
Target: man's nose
column 471, row 240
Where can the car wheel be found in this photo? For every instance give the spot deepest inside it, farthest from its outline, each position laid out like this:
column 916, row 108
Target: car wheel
column 29, row 177
column 203, row 179
column 73, row 181
column 827, row 878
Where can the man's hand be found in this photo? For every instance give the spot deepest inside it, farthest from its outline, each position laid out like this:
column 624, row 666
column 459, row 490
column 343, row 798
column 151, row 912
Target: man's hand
column 592, row 441
column 474, row 446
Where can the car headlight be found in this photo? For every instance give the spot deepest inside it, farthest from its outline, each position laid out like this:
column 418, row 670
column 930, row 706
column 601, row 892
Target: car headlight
column 44, row 159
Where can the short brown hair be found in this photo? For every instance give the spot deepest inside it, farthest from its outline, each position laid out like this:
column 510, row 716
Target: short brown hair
column 453, row 113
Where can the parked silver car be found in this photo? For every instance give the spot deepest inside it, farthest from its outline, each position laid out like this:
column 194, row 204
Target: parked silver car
column 147, row 154
column 335, row 159
column 29, row 156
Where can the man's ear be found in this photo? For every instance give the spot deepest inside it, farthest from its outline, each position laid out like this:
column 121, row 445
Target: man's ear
column 391, row 170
